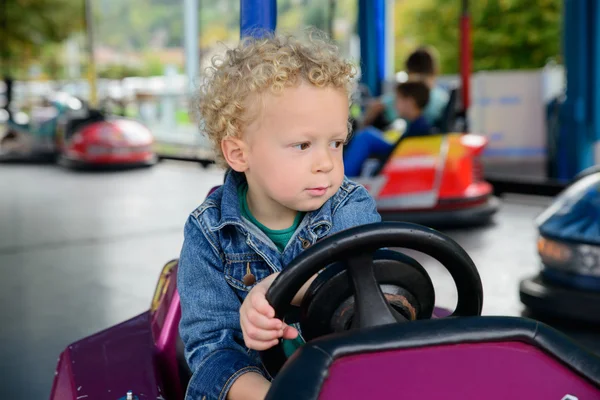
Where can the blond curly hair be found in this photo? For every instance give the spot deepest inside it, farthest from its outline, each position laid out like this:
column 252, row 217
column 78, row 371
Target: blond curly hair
column 269, row 62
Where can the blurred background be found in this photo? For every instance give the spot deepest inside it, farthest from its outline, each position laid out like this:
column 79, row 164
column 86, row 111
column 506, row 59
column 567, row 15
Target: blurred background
column 138, row 64
column 81, row 248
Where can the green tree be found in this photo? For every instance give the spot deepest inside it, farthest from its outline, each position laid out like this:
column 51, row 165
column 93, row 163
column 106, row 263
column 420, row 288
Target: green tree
column 131, row 24
column 506, row 34
column 27, row 27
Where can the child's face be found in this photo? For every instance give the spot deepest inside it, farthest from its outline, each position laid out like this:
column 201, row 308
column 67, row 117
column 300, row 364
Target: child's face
column 405, row 106
column 294, row 149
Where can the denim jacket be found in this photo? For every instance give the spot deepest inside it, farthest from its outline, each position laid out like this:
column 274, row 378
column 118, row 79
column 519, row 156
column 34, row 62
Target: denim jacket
column 218, row 250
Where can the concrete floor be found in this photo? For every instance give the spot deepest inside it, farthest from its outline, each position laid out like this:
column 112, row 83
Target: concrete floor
column 82, row 251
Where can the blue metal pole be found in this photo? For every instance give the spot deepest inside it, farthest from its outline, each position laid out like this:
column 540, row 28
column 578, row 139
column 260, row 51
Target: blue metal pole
column 390, row 45
column 364, row 33
column 380, row 23
column 257, row 17
column 564, row 153
column 594, row 136
column 371, row 30
column 588, row 71
column 581, row 72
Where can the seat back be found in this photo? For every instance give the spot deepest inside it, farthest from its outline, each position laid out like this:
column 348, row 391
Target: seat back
column 447, row 120
column 455, row 358
column 75, row 124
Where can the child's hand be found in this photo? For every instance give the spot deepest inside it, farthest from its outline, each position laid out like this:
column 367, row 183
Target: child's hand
column 260, row 327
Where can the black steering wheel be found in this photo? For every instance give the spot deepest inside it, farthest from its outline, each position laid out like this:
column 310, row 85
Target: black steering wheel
column 356, row 252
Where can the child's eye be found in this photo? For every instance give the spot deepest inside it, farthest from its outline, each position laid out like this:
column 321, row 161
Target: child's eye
column 302, row 146
column 336, row 144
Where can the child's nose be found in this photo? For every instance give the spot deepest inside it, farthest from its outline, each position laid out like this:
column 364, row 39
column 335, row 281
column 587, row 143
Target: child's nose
column 323, row 161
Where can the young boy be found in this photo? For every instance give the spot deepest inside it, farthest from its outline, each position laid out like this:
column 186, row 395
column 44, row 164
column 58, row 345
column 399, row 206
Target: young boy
column 277, row 111
column 411, row 99
column 421, row 64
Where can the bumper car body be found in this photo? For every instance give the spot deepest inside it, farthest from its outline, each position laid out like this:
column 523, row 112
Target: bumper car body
column 434, row 180
column 568, row 285
column 109, row 143
column 463, row 356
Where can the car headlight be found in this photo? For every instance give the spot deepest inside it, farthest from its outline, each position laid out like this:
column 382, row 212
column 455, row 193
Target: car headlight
column 553, row 251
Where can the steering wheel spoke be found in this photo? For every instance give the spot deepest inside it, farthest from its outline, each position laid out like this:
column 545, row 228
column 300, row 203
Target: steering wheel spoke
column 371, row 307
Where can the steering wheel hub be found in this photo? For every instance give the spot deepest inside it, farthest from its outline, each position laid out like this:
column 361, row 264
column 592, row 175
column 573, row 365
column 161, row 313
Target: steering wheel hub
column 329, row 304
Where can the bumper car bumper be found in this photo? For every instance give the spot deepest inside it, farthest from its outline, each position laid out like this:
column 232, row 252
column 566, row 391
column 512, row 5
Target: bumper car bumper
column 458, row 216
column 108, row 163
column 552, row 300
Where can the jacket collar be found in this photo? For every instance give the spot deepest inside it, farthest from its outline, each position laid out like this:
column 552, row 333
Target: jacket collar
column 319, row 221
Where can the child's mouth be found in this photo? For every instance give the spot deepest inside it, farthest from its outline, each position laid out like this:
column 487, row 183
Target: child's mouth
column 317, row 191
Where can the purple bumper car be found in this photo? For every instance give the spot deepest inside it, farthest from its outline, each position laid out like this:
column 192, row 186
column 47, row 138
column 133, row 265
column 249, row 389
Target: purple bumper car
column 371, row 329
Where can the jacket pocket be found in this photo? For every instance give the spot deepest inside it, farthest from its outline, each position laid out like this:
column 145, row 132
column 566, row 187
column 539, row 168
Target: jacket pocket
column 243, row 272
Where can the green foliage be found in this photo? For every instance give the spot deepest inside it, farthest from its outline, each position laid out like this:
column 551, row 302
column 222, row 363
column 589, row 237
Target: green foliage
column 151, row 66
column 134, row 24
column 506, row 34
column 119, row 71
column 27, row 26
column 316, row 15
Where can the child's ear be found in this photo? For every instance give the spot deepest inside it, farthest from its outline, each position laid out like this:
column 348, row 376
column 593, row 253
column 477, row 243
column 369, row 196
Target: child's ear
column 234, row 151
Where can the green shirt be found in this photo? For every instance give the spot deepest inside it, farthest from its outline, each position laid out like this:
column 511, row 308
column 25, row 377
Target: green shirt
column 280, row 237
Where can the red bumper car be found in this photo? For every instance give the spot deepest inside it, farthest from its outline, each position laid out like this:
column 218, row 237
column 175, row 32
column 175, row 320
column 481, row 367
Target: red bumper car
column 435, row 181
column 101, row 141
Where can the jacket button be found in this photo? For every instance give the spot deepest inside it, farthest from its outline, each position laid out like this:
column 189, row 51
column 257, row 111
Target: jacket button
column 305, row 243
column 249, row 279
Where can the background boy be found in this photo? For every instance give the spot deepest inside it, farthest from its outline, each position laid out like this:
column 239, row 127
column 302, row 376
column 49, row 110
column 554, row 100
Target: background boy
column 421, row 65
column 411, row 100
